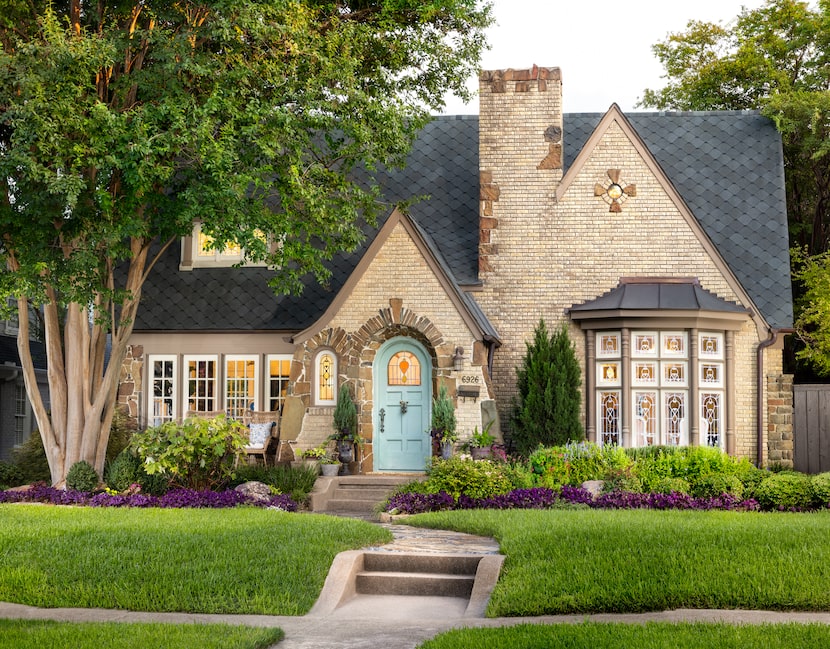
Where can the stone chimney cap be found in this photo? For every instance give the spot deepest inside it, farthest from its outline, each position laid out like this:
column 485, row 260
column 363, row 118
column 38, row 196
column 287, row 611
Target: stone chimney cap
column 532, row 74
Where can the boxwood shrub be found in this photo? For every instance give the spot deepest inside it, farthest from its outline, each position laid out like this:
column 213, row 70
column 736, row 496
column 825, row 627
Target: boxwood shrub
column 787, row 490
column 820, row 485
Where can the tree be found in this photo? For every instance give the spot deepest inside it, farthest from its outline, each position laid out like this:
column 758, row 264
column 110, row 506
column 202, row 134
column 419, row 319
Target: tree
column 777, row 59
column 123, row 123
column 547, row 406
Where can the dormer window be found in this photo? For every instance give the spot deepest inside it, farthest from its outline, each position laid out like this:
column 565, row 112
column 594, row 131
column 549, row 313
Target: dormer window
column 198, row 251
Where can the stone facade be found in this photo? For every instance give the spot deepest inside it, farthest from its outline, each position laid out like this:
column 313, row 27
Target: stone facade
column 780, row 418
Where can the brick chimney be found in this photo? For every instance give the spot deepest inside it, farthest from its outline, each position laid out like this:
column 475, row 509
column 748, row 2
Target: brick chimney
column 520, row 151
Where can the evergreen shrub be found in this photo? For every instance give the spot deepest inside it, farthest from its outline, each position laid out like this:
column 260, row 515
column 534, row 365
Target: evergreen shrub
column 786, row 490
column 82, row 477
column 10, row 475
column 715, row 484
column 546, row 409
column 820, row 485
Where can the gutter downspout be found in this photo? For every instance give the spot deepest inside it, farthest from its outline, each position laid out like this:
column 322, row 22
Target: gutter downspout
column 759, row 397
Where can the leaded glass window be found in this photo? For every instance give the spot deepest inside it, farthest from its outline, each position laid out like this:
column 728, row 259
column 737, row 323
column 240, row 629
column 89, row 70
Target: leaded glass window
column 711, row 418
column 609, row 418
column 675, row 418
column 326, row 378
column 645, row 418
column 608, row 345
column 404, row 369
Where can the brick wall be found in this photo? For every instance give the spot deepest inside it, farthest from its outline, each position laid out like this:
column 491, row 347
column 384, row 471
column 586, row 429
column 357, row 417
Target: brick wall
column 574, row 249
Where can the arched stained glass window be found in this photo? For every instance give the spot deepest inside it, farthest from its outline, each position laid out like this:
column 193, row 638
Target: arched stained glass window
column 326, row 377
column 404, row 369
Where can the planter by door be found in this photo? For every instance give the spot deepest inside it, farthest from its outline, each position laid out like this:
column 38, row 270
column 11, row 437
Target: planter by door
column 446, row 450
column 481, row 452
column 330, row 470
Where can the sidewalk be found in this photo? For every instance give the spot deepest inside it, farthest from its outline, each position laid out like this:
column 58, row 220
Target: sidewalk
column 398, row 622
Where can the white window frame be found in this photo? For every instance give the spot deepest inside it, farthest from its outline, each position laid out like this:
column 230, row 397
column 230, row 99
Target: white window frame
column 271, row 380
column 217, row 394
column 600, row 349
column 704, row 422
column 152, row 418
column 229, row 400
column 317, row 399
column 601, row 419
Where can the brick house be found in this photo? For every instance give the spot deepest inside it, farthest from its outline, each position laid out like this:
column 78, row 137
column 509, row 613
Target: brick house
column 659, row 238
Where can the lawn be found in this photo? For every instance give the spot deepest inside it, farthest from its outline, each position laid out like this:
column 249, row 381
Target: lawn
column 590, row 561
column 240, row 560
column 29, row 634
column 654, row 635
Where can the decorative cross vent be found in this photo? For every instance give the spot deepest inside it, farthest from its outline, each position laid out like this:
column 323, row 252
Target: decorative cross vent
column 616, row 192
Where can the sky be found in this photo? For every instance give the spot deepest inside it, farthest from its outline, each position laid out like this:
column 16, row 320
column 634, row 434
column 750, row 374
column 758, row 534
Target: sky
column 603, row 47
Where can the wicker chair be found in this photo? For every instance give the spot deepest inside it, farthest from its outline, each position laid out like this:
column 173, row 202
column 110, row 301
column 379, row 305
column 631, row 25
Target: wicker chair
column 263, row 427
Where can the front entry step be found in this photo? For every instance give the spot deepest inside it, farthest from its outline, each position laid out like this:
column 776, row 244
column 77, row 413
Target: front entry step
column 359, row 494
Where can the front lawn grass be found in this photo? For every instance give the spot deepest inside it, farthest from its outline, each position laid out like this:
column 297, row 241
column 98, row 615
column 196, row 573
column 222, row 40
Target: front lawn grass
column 240, row 560
column 591, row 561
column 654, row 635
column 36, row 634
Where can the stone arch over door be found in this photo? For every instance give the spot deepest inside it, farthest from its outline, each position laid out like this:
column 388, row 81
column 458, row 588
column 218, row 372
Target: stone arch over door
column 395, row 321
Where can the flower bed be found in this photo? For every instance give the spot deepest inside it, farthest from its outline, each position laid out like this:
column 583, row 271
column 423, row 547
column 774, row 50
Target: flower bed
column 545, row 498
column 172, row 499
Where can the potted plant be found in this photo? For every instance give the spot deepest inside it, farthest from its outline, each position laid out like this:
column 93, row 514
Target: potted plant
column 330, row 465
column 345, row 426
column 481, row 442
column 443, row 422
column 312, row 456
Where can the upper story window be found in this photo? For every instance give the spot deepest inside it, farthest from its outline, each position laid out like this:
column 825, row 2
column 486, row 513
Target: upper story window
column 199, row 251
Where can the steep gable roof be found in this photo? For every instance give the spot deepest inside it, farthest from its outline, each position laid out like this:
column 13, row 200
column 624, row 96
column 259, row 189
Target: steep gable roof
column 728, row 168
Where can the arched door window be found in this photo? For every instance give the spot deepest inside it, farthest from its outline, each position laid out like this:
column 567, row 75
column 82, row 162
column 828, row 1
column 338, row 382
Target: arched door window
column 404, row 369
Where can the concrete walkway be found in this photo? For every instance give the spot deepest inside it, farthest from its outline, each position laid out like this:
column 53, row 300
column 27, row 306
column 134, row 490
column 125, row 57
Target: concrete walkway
column 397, row 622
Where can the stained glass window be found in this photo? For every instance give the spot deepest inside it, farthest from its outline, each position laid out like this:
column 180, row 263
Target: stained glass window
column 608, row 344
column 674, row 344
column 711, row 345
column 645, row 344
column 674, row 373
column 675, row 421
column 404, row 369
column 710, row 418
column 608, row 373
column 645, row 373
column 326, row 377
column 645, row 418
column 609, row 418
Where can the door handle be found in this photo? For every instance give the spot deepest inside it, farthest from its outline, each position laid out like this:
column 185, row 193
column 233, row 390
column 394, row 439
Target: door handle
column 404, row 404
column 382, row 414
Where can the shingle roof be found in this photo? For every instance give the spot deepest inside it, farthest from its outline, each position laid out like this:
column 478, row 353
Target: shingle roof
column 728, row 167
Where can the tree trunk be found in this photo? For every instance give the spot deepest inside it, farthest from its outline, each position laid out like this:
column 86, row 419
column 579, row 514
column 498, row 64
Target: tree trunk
column 82, row 388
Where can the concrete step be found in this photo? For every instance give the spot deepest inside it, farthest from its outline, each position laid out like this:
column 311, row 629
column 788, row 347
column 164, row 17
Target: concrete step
column 358, row 493
column 420, row 584
column 433, row 563
column 351, row 505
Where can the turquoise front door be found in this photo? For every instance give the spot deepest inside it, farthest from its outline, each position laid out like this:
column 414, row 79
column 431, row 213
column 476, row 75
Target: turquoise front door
column 403, row 380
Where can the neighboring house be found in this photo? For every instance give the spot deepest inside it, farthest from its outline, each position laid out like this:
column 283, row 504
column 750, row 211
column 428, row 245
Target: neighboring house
column 16, row 418
column 660, row 238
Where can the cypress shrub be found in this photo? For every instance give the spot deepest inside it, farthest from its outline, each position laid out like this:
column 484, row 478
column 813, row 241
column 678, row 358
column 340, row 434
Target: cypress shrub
column 547, row 408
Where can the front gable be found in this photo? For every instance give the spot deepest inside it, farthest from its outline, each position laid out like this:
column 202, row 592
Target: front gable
column 645, row 227
column 400, row 265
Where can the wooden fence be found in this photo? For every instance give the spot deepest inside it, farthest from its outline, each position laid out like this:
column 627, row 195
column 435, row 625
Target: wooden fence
column 811, row 428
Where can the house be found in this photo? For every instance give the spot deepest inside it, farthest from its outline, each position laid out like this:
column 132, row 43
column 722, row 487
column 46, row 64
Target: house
column 659, row 238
